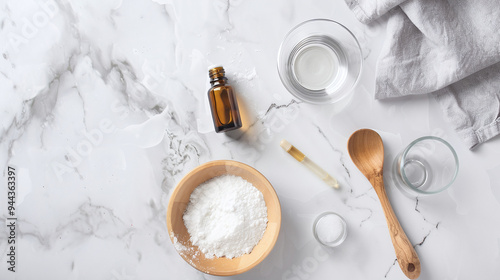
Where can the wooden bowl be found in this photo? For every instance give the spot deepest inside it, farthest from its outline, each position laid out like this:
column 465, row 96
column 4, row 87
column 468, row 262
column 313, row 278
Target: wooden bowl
column 180, row 237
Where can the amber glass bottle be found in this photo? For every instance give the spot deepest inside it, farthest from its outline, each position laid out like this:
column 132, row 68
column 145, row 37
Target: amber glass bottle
column 223, row 104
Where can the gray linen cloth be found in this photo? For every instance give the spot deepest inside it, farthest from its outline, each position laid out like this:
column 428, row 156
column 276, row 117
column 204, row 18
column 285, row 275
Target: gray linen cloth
column 448, row 47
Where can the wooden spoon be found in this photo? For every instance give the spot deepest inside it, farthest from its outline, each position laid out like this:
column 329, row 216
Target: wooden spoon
column 367, row 152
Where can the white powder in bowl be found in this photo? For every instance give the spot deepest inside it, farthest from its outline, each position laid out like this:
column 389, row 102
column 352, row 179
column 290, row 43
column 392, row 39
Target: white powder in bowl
column 226, row 216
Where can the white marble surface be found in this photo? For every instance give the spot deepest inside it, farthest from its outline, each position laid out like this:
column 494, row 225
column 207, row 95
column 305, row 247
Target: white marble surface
column 103, row 110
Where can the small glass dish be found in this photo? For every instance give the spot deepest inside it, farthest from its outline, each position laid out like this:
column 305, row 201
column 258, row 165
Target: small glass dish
column 320, row 61
column 428, row 165
column 330, row 229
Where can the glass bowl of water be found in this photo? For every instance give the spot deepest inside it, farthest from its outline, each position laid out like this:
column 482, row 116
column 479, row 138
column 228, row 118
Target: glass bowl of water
column 320, row 61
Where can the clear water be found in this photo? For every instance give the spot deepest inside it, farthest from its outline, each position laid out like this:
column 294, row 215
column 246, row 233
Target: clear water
column 318, row 64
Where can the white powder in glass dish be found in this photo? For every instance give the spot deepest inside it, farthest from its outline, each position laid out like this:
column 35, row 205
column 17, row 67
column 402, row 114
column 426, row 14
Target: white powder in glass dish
column 226, row 216
column 330, row 229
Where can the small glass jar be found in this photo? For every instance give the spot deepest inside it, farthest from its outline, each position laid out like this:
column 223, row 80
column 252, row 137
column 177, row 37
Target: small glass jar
column 427, row 166
column 330, row 229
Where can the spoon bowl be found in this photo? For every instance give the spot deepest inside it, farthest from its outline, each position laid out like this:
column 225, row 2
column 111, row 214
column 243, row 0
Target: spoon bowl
column 366, row 150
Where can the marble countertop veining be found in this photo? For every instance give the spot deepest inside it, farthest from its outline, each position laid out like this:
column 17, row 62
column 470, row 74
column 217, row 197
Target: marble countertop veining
column 104, row 109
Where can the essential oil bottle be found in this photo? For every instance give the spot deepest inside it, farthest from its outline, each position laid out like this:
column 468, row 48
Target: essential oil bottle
column 223, row 104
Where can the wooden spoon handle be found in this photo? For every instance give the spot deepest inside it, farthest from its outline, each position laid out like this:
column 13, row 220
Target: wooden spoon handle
column 407, row 257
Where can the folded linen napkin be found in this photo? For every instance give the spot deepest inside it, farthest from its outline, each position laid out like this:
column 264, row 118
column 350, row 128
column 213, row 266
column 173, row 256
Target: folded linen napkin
column 448, row 47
